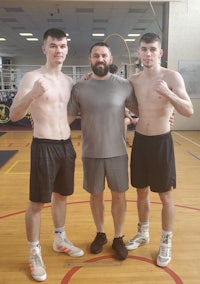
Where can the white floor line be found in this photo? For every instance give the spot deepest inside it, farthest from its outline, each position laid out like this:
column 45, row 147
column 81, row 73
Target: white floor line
column 189, row 140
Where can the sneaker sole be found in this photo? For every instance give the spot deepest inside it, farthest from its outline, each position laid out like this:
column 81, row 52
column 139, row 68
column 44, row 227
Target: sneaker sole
column 136, row 245
column 39, row 278
column 66, row 251
column 161, row 264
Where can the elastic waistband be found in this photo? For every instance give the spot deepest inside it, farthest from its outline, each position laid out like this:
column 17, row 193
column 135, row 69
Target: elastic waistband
column 153, row 136
column 53, row 141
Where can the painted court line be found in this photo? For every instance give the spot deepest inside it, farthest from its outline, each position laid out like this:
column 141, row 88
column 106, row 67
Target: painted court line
column 9, row 170
column 196, row 157
column 187, row 139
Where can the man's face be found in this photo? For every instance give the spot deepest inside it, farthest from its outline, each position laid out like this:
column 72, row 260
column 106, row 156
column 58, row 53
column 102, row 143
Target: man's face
column 150, row 53
column 100, row 60
column 55, row 49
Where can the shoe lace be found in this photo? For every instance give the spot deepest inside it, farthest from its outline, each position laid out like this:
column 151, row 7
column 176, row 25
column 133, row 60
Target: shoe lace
column 36, row 261
column 166, row 239
column 120, row 242
column 67, row 242
column 164, row 251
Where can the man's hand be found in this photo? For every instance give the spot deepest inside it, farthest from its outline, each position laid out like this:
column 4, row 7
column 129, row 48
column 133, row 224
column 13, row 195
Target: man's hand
column 40, row 87
column 87, row 76
column 162, row 88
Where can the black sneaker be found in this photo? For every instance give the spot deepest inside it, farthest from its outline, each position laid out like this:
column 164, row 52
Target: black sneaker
column 120, row 249
column 97, row 245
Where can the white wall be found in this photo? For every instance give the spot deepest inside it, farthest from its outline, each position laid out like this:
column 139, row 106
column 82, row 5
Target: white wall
column 184, row 44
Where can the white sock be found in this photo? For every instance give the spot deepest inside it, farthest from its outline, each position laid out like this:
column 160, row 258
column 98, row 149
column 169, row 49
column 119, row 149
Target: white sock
column 167, row 233
column 34, row 246
column 59, row 230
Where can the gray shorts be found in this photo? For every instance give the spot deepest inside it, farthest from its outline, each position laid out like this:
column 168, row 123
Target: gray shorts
column 114, row 170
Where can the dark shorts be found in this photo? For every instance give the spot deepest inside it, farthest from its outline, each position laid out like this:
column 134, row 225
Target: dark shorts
column 114, row 170
column 52, row 169
column 153, row 162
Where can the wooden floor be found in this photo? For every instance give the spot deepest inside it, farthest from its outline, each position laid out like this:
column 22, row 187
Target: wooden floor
column 102, row 268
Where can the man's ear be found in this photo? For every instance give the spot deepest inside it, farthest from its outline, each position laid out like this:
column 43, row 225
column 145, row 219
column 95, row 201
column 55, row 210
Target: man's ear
column 161, row 53
column 43, row 49
column 111, row 59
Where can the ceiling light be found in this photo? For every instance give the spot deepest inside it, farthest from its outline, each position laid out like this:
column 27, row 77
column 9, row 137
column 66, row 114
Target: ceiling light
column 2, row 39
column 133, row 34
column 69, row 39
column 129, row 39
column 25, row 34
column 98, row 34
column 32, row 39
column 67, row 34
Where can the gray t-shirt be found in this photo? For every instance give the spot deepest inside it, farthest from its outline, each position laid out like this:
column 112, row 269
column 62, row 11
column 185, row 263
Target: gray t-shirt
column 101, row 104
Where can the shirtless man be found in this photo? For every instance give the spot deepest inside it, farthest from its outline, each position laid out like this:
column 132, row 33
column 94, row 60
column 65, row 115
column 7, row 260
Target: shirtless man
column 158, row 92
column 46, row 92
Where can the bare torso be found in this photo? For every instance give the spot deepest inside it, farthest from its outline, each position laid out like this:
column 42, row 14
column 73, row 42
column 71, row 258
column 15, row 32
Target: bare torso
column 154, row 109
column 49, row 108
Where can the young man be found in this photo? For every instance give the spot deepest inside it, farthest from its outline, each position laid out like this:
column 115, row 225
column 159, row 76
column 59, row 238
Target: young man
column 158, row 92
column 46, row 92
column 101, row 101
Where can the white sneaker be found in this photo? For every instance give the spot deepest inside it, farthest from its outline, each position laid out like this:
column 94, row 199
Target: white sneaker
column 137, row 241
column 37, row 266
column 140, row 239
column 62, row 244
column 165, row 255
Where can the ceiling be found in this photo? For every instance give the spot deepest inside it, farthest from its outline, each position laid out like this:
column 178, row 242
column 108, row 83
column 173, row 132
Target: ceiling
column 79, row 19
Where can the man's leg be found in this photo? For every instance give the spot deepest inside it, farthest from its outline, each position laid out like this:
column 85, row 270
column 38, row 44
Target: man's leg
column 32, row 220
column 118, row 214
column 143, row 208
column 61, row 242
column 97, row 208
column 168, row 212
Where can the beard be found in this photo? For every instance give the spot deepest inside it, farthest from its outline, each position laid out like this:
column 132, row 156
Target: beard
column 100, row 71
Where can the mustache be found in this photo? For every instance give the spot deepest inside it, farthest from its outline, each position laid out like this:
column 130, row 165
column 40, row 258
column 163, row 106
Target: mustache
column 100, row 63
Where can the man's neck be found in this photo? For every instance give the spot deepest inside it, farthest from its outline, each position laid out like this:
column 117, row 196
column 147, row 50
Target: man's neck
column 96, row 77
column 52, row 70
column 152, row 71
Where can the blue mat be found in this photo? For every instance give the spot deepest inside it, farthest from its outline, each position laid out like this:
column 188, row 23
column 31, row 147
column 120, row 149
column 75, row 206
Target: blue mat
column 6, row 155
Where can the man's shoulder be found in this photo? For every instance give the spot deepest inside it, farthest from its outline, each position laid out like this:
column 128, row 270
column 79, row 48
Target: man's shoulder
column 33, row 74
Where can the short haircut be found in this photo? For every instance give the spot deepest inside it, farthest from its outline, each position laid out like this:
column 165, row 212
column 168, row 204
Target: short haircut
column 54, row 33
column 149, row 38
column 101, row 43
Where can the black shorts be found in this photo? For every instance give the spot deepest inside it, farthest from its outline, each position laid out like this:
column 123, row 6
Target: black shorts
column 153, row 162
column 52, row 169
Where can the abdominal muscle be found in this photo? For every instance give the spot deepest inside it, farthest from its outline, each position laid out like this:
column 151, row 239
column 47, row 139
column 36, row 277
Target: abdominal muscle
column 50, row 120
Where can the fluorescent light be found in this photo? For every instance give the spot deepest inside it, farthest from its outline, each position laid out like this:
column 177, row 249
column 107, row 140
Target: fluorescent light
column 129, row 39
column 32, row 39
column 2, row 39
column 98, row 34
column 69, row 39
column 133, row 34
column 25, row 34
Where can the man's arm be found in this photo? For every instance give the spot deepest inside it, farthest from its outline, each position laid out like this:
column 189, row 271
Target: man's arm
column 23, row 99
column 28, row 91
column 71, row 118
column 176, row 94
